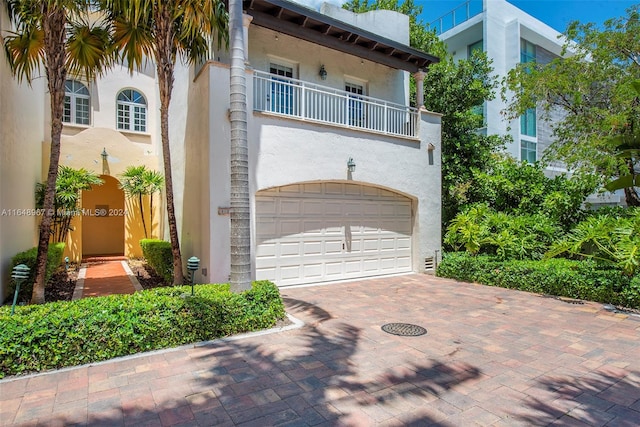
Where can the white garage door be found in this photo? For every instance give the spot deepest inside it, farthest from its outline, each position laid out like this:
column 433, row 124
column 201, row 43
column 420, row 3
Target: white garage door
column 318, row 232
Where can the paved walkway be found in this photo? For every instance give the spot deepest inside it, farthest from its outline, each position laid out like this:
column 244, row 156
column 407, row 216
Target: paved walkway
column 105, row 276
column 491, row 357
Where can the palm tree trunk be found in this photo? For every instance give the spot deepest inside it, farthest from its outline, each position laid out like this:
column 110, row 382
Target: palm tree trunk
column 151, row 213
column 54, row 23
column 240, row 210
column 165, row 65
column 144, row 225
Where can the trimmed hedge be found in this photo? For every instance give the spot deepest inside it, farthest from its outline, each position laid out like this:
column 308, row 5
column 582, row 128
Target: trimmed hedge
column 556, row 276
column 55, row 335
column 159, row 257
column 28, row 257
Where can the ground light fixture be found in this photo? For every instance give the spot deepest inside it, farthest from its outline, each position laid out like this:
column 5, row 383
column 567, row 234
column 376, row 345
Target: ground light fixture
column 351, row 165
column 19, row 275
column 104, row 154
column 323, row 72
column 193, row 264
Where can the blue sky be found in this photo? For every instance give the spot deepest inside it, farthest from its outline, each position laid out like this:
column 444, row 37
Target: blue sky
column 555, row 13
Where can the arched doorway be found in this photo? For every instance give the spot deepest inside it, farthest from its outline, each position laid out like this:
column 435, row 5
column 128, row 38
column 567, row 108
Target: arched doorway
column 103, row 215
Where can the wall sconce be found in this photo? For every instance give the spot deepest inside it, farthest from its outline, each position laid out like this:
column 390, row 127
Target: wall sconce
column 351, row 165
column 323, row 72
column 104, row 155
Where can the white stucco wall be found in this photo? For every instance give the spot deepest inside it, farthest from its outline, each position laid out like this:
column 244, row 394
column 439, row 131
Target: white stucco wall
column 386, row 23
column 21, row 133
column 502, row 25
column 284, row 151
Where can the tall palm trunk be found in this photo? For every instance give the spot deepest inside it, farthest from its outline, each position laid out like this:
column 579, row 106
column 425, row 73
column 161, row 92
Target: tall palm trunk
column 240, row 212
column 144, row 224
column 165, row 66
column 54, row 23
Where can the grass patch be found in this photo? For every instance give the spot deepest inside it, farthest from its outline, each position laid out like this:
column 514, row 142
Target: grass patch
column 60, row 334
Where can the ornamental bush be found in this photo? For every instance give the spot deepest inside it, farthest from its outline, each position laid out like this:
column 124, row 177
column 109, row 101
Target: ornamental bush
column 28, row 258
column 55, row 335
column 557, row 276
column 159, row 257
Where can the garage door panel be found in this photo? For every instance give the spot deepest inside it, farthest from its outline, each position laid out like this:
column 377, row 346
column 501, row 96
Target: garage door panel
column 330, row 231
column 312, row 248
column 333, row 247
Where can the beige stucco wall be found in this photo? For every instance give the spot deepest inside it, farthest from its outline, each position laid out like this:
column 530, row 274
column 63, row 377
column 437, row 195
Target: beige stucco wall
column 21, row 130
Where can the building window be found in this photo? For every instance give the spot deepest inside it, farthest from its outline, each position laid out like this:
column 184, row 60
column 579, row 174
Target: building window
column 528, row 151
column 528, row 122
column 474, row 47
column 281, row 89
column 527, row 51
column 131, row 111
column 76, row 103
column 356, row 107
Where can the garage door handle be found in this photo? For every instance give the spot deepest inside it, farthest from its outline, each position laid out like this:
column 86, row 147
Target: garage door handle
column 343, row 246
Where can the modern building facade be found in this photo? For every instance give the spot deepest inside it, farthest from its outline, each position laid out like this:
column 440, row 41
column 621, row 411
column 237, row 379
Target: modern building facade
column 509, row 37
column 344, row 173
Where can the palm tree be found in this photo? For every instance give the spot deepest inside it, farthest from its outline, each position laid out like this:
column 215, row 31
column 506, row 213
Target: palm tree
column 240, row 214
column 154, row 182
column 137, row 182
column 58, row 35
column 164, row 30
column 132, row 182
column 69, row 184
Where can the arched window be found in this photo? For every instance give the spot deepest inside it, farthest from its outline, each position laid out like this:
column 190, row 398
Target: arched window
column 131, row 111
column 76, row 103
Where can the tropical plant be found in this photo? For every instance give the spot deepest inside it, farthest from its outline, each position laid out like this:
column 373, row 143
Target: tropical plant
column 62, row 37
column 521, row 188
column 69, row 184
column 627, row 146
column 480, row 229
column 240, row 214
column 137, row 182
column 605, row 239
column 166, row 30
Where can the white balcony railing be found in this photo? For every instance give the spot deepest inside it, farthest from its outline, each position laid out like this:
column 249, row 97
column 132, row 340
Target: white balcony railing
column 308, row 101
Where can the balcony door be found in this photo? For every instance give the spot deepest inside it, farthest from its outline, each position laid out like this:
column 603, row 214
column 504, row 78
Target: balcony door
column 281, row 98
column 355, row 107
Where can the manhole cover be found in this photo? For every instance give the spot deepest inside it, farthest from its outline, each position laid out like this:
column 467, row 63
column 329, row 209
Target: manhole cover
column 404, row 329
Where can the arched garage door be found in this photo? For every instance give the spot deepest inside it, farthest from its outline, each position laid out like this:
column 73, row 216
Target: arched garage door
column 316, row 232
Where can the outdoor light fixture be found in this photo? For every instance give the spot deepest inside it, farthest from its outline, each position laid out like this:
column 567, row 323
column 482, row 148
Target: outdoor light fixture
column 323, row 72
column 104, row 154
column 19, row 275
column 193, row 264
column 351, row 165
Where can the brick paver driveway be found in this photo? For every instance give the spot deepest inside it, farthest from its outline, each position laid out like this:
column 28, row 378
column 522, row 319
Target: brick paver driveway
column 491, row 357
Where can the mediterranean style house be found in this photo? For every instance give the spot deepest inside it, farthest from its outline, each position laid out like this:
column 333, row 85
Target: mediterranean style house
column 344, row 173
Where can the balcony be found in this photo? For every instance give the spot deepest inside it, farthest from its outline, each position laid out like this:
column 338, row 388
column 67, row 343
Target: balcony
column 310, row 102
column 456, row 16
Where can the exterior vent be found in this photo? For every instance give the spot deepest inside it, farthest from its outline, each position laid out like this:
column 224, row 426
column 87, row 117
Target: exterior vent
column 430, row 263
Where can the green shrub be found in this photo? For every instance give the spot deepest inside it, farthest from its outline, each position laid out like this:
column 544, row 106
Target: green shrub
column 28, row 257
column 59, row 334
column 558, row 276
column 159, row 257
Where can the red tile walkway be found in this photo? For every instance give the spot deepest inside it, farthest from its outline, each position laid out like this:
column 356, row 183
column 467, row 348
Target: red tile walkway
column 491, row 357
column 105, row 276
